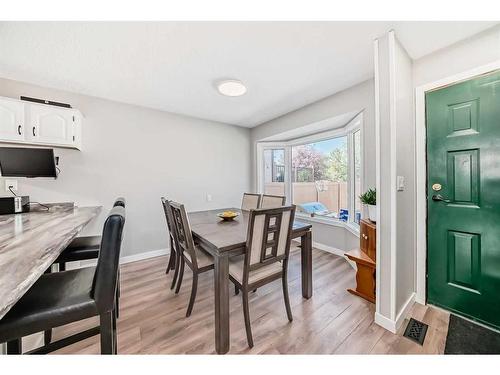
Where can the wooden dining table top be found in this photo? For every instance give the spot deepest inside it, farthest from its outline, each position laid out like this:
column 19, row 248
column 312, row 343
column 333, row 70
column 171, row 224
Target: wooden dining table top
column 222, row 236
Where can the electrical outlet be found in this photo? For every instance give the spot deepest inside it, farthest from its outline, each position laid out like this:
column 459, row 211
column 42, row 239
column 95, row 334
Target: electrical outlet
column 209, row 197
column 9, row 183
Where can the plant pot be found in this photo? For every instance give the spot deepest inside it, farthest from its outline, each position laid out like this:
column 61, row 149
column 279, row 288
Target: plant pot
column 372, row 212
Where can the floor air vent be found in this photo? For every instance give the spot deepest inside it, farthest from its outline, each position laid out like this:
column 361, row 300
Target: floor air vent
column 416, row 331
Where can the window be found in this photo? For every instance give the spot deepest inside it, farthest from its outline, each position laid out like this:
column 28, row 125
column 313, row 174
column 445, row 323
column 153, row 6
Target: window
column 357, row 175
column 274, row 171
column 321, row 174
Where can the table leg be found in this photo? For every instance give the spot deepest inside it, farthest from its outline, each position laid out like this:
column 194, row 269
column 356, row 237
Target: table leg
column 306, row 257
column 221, row 291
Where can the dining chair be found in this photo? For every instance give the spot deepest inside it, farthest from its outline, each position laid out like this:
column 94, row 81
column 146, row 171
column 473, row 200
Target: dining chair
column 250, row 201
column 189, row 253
column 266, row 256
column 173, row 260
column 64, row 297
column 272, row 201
column 83, row 248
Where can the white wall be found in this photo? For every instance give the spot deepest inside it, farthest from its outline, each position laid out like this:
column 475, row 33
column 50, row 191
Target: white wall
column 142, row 154
column 354, row 99
column 480, row 49
column 396, row 225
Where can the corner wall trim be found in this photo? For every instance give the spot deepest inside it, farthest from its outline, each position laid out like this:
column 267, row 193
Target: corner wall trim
column 386, row 323
column 405, row 310
column 394, row 325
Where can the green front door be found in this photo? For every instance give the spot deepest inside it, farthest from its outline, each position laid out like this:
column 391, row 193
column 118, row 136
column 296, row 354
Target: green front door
column 463, row 198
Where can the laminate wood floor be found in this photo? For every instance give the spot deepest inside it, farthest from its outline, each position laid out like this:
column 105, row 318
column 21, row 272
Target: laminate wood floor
column 152, row 318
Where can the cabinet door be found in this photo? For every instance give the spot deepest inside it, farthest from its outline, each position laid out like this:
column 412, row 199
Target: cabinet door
column 367, row 240
column 11, row 120
column 51, row 125
column 363, row 237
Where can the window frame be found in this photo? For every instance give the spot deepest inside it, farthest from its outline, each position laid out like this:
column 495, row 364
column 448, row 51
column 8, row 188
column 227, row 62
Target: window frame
column 348, row 130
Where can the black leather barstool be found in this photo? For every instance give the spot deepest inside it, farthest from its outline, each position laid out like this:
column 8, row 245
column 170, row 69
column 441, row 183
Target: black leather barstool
column 60, row 298
column 83, row 248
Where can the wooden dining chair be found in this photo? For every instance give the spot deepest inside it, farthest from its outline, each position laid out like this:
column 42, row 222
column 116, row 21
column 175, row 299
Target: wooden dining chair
column 173, row 260
column 272, row 201
column 189, row 253
column 250, row 201
column 266, row 256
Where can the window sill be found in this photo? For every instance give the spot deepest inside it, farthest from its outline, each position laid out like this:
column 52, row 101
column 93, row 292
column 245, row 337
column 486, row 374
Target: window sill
column 351, row 227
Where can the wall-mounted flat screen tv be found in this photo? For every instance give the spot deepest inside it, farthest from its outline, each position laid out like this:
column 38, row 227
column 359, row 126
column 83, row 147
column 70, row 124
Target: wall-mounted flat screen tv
column 27, row 162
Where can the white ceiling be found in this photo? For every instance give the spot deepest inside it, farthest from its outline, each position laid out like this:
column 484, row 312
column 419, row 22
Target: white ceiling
column 172, row 66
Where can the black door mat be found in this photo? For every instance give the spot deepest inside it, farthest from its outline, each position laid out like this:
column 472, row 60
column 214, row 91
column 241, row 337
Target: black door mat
column 416, row 331
column 465, row 337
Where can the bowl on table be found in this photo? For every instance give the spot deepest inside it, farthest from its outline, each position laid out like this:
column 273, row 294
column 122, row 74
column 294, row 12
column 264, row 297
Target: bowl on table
column 228, row 215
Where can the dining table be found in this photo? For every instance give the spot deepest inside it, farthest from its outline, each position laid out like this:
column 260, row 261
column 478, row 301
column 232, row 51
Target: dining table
column 225, row 239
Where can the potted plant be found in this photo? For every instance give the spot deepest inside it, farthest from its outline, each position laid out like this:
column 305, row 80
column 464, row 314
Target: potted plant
column 369, row 198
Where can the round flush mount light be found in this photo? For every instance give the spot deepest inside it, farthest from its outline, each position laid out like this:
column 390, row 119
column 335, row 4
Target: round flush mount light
column 231, row 87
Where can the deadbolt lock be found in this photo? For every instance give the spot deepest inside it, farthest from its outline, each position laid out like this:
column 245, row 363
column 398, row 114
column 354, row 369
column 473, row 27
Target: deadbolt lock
column 436, row 187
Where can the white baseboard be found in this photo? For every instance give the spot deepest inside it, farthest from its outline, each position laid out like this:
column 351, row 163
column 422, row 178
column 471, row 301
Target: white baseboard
column 333, row 250
column 386, row 323
column 143, row 256
column 400, row 318
column 123, row 260
column 394, row 325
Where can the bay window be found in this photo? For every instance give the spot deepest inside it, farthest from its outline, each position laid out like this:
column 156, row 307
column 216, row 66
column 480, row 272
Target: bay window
column 320, row 174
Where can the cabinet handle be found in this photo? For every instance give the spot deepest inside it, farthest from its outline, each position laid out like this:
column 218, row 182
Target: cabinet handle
column 34, row 134
column 19, row 130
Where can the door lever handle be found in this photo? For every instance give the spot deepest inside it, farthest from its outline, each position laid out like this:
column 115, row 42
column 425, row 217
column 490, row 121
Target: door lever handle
column 440, row 198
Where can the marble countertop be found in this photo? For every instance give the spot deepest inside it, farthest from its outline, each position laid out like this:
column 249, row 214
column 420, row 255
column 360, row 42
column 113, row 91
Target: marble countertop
column 30, row 242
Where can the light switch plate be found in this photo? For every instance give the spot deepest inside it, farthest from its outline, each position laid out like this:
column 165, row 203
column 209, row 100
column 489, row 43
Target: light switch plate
column 209, row 197
column 400, row 183
column 12, row 183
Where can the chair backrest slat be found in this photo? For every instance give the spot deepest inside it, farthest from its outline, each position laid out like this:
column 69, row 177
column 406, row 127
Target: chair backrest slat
column 268, row 237
column 106, row 274
column 184, row 239
column 166, row 209
column 272, row 201
column 250, row 201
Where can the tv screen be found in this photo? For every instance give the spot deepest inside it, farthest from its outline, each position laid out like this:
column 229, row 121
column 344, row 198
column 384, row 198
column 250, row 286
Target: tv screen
column 27, row 162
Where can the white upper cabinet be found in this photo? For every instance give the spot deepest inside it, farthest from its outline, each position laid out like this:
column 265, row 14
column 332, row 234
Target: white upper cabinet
column 11, row 120
column 25, row 122
column 51, row 125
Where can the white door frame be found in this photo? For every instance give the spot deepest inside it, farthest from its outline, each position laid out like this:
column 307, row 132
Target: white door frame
column 420, row 136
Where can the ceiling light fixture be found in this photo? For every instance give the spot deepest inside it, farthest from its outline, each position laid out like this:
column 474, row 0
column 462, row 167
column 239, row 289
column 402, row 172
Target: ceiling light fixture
column 231, row 87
